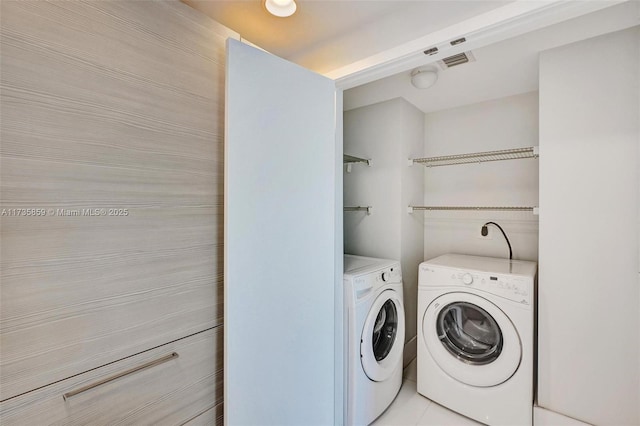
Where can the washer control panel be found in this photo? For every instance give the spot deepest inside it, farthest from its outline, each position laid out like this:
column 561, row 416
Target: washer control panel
column 364, row 284
column 389, row 275
column 512, row 287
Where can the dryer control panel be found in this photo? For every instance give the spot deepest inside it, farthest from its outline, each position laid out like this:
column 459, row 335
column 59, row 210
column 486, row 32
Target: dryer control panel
column 513, row 287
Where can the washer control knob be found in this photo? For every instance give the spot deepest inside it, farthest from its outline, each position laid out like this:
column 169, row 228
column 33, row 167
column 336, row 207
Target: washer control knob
column 385, row 276
column 467, row 279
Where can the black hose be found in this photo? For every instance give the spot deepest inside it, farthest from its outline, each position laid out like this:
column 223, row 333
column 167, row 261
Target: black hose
column 504, row 234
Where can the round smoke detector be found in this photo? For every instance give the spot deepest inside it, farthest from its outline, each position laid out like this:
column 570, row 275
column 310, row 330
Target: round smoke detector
column 423, row 78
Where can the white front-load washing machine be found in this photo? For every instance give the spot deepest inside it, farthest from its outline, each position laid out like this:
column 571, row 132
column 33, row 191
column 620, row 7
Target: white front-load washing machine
column 476, row 337
column 374, row 336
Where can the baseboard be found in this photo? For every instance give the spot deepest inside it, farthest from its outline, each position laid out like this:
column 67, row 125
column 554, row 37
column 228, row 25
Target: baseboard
column 544, row 417
column 410, row 351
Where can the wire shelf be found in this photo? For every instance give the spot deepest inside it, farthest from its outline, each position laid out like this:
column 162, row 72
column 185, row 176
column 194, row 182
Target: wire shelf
column 534, row 210
column 479, row 157
column 350, row 159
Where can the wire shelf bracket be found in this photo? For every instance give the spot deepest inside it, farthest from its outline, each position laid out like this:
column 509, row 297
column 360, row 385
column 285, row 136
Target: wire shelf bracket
column 534, row 210
column 350, row 160
column 368, row 209
column 478, row 157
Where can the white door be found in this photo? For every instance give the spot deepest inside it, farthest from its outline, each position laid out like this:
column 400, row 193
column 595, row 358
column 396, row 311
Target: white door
column 283, row 248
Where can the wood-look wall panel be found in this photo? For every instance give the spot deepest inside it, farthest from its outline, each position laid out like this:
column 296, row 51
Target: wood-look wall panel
column 107, row 105
column 77, row 238
column 130, row 154
column 125, row 101
column 171, row 393
column 120, row 144
column 137, row 39
column 60, row 183
column 213, row 416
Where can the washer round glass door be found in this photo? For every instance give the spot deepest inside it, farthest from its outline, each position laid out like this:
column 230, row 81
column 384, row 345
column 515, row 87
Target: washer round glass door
column 469, row 332
column 471, row 339
column 383, row 337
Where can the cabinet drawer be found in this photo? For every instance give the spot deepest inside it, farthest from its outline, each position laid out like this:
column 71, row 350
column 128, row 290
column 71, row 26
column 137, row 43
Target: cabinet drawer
column 171, row 391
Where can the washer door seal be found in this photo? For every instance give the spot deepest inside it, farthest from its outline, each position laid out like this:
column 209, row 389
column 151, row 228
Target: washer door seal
column 382, row 340
column 471, row 339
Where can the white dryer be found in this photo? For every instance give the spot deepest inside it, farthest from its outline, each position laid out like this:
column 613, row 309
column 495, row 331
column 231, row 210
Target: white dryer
column 374, row 336
column 476, row 337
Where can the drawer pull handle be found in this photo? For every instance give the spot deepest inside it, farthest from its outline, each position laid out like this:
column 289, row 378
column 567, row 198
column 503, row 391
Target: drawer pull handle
column 124, row 373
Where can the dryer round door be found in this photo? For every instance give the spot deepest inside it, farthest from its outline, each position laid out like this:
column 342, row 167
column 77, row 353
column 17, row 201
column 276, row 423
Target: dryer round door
column 471, row 339
column 382, row 339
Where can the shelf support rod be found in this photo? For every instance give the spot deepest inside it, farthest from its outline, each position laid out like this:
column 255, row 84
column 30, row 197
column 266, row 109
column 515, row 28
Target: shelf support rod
column 359, row 208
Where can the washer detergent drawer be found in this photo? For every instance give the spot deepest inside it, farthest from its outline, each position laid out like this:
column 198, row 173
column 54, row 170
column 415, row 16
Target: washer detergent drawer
column 171, row 384
column 363, row 286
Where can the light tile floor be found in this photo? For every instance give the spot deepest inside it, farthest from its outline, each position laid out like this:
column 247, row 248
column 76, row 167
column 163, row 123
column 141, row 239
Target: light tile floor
column 412, row 409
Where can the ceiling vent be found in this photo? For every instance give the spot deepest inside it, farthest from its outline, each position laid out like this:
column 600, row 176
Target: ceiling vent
column 454, row 60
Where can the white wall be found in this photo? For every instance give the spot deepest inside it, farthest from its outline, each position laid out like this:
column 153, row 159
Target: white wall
column 412, row 226
column 589, row 328
column 389, row 133
column 372, row 132
column 504, row 123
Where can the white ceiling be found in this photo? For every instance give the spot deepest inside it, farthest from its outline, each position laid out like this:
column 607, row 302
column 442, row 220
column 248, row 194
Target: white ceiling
column 324, row 35
column 503, row 69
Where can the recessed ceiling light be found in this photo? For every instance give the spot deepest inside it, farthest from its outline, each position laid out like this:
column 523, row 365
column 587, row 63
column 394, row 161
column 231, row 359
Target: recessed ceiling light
column 281, row 8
